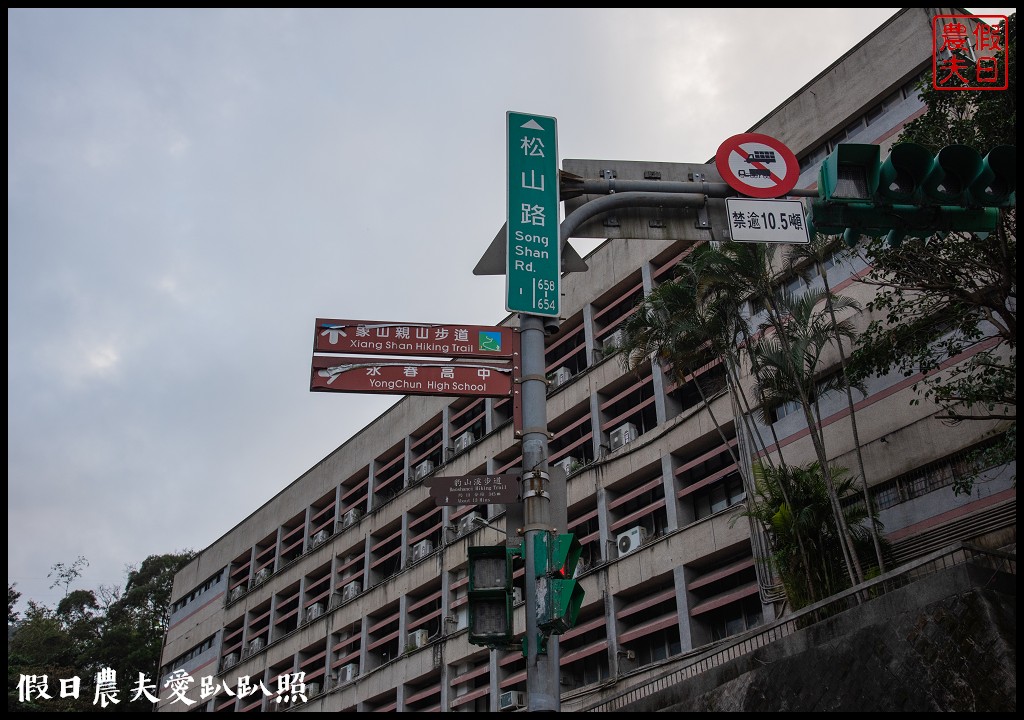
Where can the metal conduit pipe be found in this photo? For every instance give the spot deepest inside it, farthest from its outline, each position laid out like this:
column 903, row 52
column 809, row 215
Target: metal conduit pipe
column 618, row 200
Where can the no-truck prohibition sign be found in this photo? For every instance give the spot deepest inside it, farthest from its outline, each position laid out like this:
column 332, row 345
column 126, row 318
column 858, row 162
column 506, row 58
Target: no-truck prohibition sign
column 757, row 165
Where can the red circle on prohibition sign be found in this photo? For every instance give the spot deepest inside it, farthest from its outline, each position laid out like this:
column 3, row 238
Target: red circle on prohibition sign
column 757, row 165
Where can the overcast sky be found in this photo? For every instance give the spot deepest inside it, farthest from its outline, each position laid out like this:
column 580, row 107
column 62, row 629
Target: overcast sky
column 188, row 190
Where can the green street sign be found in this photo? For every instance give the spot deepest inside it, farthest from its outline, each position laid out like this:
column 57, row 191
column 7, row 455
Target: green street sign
column 532, row 262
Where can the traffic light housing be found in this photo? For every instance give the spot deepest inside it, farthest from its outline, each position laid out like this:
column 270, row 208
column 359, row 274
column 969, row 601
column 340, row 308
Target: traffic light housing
column 490, row 596
column 996, row 184
column 555, row 559
column 849, row 175
column 912, row 192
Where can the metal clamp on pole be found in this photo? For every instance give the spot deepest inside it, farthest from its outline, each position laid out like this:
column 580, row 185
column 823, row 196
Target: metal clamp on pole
column 534, row 484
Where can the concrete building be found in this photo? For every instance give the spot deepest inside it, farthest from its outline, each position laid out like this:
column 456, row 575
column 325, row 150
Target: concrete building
column 353, row 575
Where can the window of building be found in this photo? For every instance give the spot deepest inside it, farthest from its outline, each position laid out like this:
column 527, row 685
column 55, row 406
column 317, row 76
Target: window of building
column 424, row 694
column 345, row 650
column 293, row 538
column 718, row 496
column 735, row 618
column 724, row 596
column 925, row 479
column 386, row 551
column 198, row 591
column 873, row 114
column 426, row 450
column 467, row 424
column 190, row 654
column 648, row 624
column 567, row 348
column 585, row 525
column 312, row 662
column 389, row 475
column 286, row 612
column 584, row 650
column 638, row 501
column 783, row 409
column 383, row 643
column 571, row 446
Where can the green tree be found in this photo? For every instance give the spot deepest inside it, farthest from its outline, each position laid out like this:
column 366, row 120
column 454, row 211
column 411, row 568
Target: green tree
column 689, row 338
column 12, row 600
column 982, row 119
column 946, row 307
column 136, row 622
column 784, row 355
column 805, row 511
column 65, row 574
column 701, row 314
column 816, row 254
column 87, row 632
column 42, row 645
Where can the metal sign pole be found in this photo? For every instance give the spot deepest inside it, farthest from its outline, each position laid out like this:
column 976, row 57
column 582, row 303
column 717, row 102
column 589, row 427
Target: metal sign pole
column 542, row 669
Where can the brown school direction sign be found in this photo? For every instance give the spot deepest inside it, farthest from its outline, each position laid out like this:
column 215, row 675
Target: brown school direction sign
column 333, row 373
column 379, row 337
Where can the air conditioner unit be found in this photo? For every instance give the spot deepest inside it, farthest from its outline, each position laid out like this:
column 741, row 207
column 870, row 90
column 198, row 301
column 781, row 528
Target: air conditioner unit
column 319, row 539
column 622, row 435
column 423, row 469
column 231, row 660
column 314, row 611
column 348, row 673
column 512, row 700
column 351, row 590
column 569, row 465
column 463, row 441
column 350, row 517
column 467, row 523
column 236, row 593
column 462, row 617
column 256, row 645
column 615, row 340
column 421, row 549
column 560, row 376
column 261, row 576
column 517, row 595
column 418, row 638
column 312, row 689
column 631, row 540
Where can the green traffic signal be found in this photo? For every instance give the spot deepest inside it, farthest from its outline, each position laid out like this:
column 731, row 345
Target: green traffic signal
column 565, row 555
column 849, row 174
column 490, row 596
column 563, row 600
column 912, row 192
column 901, row 176
column 949, row 180
column 913, row 219
column 996, row 184
column 562, row 593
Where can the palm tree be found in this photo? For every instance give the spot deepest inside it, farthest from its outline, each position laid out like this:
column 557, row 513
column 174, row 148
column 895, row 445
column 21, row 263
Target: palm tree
column 805, row 512
column 818, row 251
column 672, row 326
column 669, row 325
column 746, row 271
column 789, row 358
